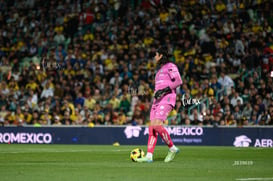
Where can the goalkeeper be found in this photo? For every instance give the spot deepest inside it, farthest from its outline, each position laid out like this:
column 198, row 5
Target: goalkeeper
column 167, row 79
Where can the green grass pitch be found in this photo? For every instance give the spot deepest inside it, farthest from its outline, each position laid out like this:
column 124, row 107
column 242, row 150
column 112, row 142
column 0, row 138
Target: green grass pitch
column 20, row 162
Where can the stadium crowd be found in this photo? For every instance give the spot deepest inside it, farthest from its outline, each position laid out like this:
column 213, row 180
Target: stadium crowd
column 90, row 62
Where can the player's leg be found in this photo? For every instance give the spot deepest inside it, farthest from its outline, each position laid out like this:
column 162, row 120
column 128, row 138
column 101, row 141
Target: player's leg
column 158, row 115
column 173, row 150
column 153, row 135
column 152, row 140
column 163, row 133
column 162, row 113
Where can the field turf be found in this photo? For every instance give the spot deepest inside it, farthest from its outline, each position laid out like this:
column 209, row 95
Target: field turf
column 20, row 162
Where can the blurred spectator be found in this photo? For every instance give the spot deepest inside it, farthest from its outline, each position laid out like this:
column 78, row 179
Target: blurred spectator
column 207, row 90
column 66, row 119
column 79, row 100
column 225, row 81
column 125, row 103
column 67, row 107
column 138, row 117
column 56, row 121
column 235, row 99
column 90, row 102
column 195, row 118
column 237, row 114
column 47, row 91
column 115, row 102
column 116, row 79
column 247, row 111
column 32, row 99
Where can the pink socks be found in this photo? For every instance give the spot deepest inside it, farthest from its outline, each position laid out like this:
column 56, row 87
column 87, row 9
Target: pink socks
column 152, row 139
column 153, row 133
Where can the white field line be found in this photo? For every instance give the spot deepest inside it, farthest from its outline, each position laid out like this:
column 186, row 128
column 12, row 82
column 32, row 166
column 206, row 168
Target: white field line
column 247, row 179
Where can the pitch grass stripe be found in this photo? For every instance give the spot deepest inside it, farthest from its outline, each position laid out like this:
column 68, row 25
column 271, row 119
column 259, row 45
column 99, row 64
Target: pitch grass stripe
column 245, row 179
column 60, row 151
column 56, row 163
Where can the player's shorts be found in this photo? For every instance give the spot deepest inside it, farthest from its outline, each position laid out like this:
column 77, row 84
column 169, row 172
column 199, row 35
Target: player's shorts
column 160, row 111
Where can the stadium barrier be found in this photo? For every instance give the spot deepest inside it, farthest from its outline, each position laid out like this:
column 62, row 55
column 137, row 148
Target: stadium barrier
column 201, row 106
column 220, row 94
column 251, row 72
column 138, row 135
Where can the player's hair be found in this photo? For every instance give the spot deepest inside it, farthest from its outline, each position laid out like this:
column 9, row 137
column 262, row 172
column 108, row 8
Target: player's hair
column 165, row 55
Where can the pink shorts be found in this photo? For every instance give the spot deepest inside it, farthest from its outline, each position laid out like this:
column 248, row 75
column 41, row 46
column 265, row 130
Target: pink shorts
column 160, row 111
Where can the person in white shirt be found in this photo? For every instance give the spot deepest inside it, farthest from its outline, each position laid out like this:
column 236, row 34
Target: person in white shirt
column 235, row 99
column 47, row 91
column 32, row 100
column 226, row 82
column 116, row 79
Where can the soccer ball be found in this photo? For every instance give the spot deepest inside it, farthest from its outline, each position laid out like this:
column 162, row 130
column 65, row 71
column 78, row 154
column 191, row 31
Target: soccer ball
column 136, row 153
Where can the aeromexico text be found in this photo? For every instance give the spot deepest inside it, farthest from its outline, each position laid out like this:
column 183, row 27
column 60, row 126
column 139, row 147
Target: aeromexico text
column 21, row 137
column 181, row 131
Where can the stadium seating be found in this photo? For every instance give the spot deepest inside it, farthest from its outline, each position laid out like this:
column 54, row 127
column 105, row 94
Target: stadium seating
column 205, row 39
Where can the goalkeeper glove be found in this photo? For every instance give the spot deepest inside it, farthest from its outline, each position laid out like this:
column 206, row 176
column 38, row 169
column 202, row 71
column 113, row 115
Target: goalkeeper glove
column 162, row 92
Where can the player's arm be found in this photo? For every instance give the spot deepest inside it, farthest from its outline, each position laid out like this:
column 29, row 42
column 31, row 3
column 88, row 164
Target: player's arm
column 162, row 92
column 175, row 77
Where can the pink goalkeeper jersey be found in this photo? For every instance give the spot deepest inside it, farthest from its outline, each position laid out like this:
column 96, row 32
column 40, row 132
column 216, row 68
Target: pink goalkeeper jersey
column 167, row 75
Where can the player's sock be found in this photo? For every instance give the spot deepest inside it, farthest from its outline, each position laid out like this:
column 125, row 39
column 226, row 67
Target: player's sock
column 173, row 148
column 152, row 140
column 164, row 135
column 149, row 155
